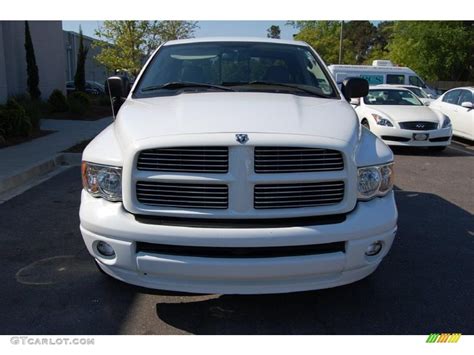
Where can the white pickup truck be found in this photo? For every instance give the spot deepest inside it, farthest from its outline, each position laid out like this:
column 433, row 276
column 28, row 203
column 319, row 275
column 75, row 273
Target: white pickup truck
column 235, row 166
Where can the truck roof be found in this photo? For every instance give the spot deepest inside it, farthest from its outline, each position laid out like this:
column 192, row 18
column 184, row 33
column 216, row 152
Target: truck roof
column 235, row 39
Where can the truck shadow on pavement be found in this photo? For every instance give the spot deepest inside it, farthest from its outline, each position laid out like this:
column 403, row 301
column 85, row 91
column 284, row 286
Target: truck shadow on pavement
column 424, row 285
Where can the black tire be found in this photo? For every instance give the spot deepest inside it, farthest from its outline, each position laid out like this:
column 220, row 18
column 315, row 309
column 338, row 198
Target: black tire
column 437, row 149
column 365, row 123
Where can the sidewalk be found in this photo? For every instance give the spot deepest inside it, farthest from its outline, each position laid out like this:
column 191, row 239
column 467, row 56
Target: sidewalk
column 22, row 162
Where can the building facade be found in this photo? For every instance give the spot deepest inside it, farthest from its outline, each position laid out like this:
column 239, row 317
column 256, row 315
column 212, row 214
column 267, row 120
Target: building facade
column 56, row 57
column 93, row 69
column 47, row 38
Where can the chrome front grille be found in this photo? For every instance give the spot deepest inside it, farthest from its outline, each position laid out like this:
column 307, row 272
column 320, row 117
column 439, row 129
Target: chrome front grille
column 185, row 159
column 268, row 160
column 249, row 181
column 298, row 195
column 182, row 195
column 419, row 125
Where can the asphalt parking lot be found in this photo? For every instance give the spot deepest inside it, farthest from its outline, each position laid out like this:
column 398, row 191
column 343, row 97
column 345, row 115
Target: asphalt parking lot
column 50, row 285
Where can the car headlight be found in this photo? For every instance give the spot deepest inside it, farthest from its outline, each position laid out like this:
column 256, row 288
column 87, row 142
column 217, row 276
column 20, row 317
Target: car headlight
column 102, row 181
column 374, row 181
column 382, row 121
column 446, row 122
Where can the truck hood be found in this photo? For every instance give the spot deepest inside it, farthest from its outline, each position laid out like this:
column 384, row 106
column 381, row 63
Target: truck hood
column 227, row 112
column 407, row 113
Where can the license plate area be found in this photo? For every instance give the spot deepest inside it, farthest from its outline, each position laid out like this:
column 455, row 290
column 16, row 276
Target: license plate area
column 420, row 137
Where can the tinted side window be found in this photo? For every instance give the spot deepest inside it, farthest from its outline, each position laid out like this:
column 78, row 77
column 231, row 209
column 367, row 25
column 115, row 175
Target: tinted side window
column 395, row 79
column 452, row 97
column 466, row 95
column 414, row 80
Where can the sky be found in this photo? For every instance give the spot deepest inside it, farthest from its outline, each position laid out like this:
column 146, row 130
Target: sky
column 206, row 28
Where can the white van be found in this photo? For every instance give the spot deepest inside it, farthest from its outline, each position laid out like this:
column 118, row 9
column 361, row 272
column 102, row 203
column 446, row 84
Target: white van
column 381, row 72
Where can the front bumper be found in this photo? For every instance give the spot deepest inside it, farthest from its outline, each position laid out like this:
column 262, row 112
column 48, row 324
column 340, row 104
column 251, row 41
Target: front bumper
column 375, row 220
column 407, row 136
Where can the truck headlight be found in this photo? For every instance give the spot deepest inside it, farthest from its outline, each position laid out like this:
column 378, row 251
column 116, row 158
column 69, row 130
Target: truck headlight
column 382, row 121
column 374, row 181
column 446, row 122
column 102, row 181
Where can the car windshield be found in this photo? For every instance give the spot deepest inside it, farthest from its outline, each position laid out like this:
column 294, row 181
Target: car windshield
column 418, row 92
column 391, row 97
column 235, row 66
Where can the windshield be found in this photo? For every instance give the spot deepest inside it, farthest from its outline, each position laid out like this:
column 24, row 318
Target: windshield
column 391, row 97
column 418, row 92
column 241, row 66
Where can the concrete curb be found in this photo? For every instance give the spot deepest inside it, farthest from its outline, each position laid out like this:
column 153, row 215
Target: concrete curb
column 39, row 169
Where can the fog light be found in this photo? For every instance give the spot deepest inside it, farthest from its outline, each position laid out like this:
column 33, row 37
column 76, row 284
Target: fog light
column 105, row 249
column 374, row 248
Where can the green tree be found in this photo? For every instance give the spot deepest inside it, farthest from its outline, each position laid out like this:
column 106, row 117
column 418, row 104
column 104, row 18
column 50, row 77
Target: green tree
column 437, row 50
column 324, row 36
column 170, row 30
column 32, row 80
column 123, row 44
column 360, row 36
column 80, row 76
column 126, row 44
column 379, row 48
column 273, row 32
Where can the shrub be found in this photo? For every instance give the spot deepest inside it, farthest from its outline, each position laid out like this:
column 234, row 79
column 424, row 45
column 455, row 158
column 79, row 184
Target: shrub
column 104, row 100
column 78, row 102
column 33, row 109
column 14, row 121
column 57, row 101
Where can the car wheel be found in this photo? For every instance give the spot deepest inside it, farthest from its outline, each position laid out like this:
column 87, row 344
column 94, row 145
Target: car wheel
column 437, row 149
column 365, row 123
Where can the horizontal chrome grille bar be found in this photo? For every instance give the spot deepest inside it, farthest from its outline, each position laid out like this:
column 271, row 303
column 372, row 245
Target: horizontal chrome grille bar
column 269, row 160
column 182, row 195
column 298, row 195
column 186, row 159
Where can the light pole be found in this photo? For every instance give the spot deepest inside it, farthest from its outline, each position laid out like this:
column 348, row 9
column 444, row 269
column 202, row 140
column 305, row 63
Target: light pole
column 340, row 43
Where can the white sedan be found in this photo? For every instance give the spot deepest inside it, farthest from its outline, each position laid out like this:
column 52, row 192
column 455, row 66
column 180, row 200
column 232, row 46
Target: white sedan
column 458, row 104
column 398, row 117
column 424, row 97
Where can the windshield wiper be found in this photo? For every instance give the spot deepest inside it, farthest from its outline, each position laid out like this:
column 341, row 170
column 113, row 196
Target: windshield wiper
column 184, row 84
column 271, row 83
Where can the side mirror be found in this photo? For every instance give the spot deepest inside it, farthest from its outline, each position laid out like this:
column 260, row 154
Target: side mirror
column 355, row 101
column 467, row 104
column 118, row 88
column 354, row 87
column 427, row 102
